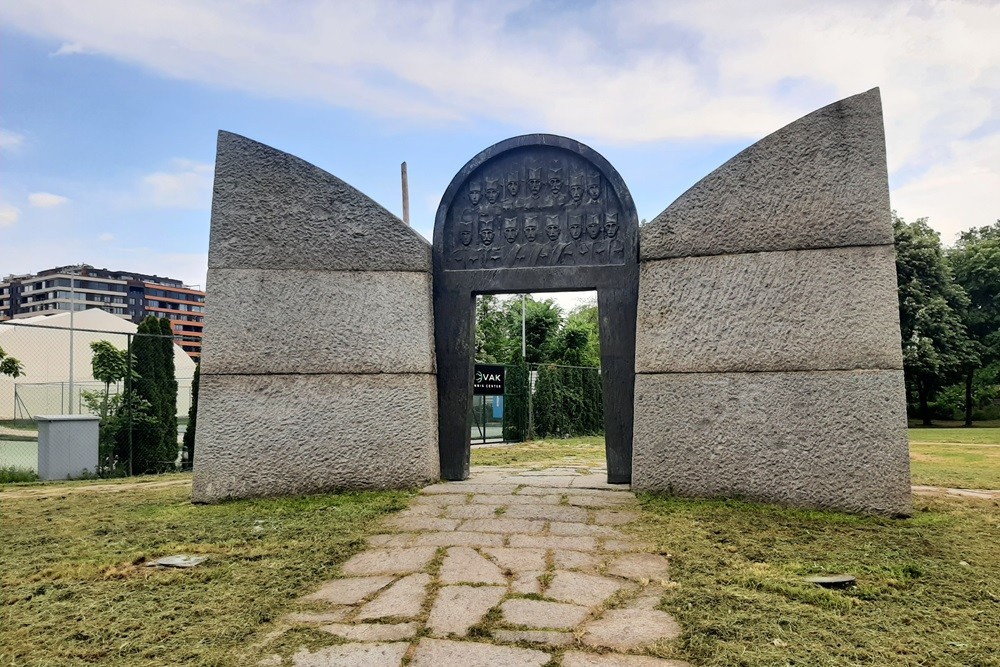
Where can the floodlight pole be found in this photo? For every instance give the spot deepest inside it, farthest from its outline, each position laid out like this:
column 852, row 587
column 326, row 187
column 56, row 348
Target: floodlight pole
column 72, row 308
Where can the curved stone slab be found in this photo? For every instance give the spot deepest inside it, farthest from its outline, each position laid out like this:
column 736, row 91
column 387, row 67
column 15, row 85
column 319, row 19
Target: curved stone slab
column 268, row 435
column 819, row 182
column 775, row 311
column 295, row 321
column 272, row 210
column 832, row 440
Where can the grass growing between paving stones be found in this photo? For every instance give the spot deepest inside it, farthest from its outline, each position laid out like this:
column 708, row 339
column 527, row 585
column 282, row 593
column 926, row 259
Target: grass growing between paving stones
column 75, row 590
column 928, row 587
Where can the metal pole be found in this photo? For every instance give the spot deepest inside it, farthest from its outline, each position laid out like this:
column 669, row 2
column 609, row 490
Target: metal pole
column 524, row 339
column 531, row 409
column 128, row 396
column 72, row 309
column 406, row 194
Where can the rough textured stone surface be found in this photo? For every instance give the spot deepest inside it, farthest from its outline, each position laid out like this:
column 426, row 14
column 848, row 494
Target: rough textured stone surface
column 817, row 439
column 585, row 589
column 462, row 565
column 335, row 616
column 501, row 525
column 819, row 182
column 490, row 499
column 471, row 511
column 628, row 629
column 423, row 523
column 550, row 637
column 575, row 560
column 518, row 560
column 559, row 528
column 442, row 653
column 527, row 583
column 578, row 659
column 369, row 322
column 388, row 561
column 404, row 599
column 348, row 590
column 330, row 431
column 372, row 632
column 394, row 540
column 458, row 608
column 615, row 517
column 272, row 210
column 600, row 500
column 830, row 309
column 553, row 542
column 459, row 539
column 538, row 614
column 353, row 655
column 550, row 512
column 640, row 566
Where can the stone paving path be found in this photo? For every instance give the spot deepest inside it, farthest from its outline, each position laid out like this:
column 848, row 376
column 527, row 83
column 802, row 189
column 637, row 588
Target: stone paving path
column 510, row 568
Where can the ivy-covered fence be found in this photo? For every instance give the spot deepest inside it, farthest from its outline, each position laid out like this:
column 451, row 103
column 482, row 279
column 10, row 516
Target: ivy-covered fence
column 565, row 401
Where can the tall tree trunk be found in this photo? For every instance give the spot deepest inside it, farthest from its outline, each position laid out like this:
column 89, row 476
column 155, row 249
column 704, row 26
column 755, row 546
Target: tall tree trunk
column 968, row 398
column 923, row 390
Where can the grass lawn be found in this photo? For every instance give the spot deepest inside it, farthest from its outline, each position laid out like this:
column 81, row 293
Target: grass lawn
column 74, row 589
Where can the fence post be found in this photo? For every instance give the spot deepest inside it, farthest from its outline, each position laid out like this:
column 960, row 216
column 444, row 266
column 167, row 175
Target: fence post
column 128, row 396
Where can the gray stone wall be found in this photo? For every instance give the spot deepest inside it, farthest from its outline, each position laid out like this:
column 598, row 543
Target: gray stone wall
column 318, row 367
column 767, row 350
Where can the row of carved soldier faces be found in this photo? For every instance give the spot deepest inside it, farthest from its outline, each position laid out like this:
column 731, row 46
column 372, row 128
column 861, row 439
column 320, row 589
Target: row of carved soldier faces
column 511, row 231
column 578, row 184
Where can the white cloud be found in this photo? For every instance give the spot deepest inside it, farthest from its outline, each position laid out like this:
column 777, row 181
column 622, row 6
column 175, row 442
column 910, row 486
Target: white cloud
column 106, row 237
column 10, row 141
column 46, row 200
column 8, row 215
column 70, row 49
column 187, row 184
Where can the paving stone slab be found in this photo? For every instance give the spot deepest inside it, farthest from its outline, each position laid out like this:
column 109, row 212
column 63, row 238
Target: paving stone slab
column 630, row 629
column 440, row 499
column 576, row 529
column 443, row 653
column 404, row 599
column 353, row 655
column 543, row 615
column 459, row 539
column 423, row 510
column 389, row 561
column 465, row 487
column 547, row 512
column 578, row 659
column 518, row 560
column 527, row 583
column 536, row 491
column 615, row 517
column 421, row 523
column 462, row 565
column 471, row 511
column 372, row 632
column 580, row 588
column 576, row 560
column 333, row 616
column 640, row 566
column 348, row 590
column 597, row 481
column 609, row 500
column 648, row 599
column 393, row 540
column 549, row 637
column 458, row 608
column 501, row 525
column 550, row 482
column 625, row 545
column 622, row 492
column 553, row 542
column 508, row 500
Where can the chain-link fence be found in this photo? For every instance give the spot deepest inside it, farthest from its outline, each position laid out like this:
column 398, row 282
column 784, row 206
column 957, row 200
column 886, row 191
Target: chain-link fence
column 138, row 382
column 540, row 401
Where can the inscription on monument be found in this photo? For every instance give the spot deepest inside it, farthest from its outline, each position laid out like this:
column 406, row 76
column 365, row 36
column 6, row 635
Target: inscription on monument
column 541, row 206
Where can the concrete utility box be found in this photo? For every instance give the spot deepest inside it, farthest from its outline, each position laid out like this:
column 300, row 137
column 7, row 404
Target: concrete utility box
column 67, row 445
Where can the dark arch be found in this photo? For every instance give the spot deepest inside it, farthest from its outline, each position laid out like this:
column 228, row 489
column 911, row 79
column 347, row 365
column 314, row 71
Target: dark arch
column 536, row 236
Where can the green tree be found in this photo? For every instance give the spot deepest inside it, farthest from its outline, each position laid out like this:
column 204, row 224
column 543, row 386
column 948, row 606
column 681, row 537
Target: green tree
column 975, row 262
column 192, row 416
column 108, row 365
column 542, row 321
column 497, row 342
column 152, row 447
column 10, row 366
column 936, row 345
column 167, row 377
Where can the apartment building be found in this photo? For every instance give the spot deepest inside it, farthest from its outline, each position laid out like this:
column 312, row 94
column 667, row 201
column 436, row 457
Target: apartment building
column 129, row 295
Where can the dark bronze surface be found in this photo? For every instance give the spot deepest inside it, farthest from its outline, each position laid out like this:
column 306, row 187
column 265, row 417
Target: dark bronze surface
column 535, row 213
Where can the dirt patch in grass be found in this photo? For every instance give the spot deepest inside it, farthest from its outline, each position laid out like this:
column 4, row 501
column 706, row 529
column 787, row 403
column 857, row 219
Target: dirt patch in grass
column 76, row 591
column 927, row 593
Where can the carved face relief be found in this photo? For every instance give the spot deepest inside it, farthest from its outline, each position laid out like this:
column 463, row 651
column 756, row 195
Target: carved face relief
column 576, row 225
column 611, row 225
column 512, row 185
column 576, row 188
column 594, row 187
column 555, row 180
column 465, row 234
column 552, row 227
column 594, row 226
column 510, row 229
column 530, row 227
column 534, row 181
column 475, row 193
column 486, row 234
column 492, row 191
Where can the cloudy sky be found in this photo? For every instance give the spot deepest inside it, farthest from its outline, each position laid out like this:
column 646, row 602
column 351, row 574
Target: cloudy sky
column 109, row 108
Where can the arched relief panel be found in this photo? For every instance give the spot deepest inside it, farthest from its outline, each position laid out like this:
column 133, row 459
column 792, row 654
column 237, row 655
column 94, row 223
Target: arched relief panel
column 532, row 214
column 768, row 361
column 318, row 315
